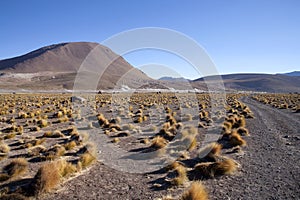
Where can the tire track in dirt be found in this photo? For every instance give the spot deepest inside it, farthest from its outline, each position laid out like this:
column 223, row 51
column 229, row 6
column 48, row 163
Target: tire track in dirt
column 270, row 164
column 275, row 152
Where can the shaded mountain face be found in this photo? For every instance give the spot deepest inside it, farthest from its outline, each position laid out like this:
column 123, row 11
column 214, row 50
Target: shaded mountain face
column 57, row 66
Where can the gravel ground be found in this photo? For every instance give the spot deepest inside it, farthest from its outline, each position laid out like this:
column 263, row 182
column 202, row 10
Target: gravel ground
column 269, row 167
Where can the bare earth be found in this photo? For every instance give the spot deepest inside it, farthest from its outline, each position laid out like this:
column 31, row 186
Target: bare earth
column 270, row 167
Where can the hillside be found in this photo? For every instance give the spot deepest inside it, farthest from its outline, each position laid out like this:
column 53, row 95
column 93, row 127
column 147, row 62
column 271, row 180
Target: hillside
column 257, row 82
column 56, row 66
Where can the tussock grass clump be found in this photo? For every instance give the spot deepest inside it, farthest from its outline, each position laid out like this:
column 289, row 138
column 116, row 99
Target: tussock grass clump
column 17, row 167
column 123, row 134
column 63, row 119
column 42, row 123
column 193, row 144
column 9, row 136
column 173, row 165
column 55, row 152
column 37, row 150
column 59, row 114
column 86, row 159
column 242, row 131
column 240, row 122
column 66, row 168
column 216, row 149
column 196, row 192
column 35, row 128
column 158, row 142
column 227, row 166
column 116, row 140
column 46, row 179
column 145, row 141
column 53, row 134
column 213, row 169
column 4, row 148
column 181, row 177
column 236, row 140
column 70, row 145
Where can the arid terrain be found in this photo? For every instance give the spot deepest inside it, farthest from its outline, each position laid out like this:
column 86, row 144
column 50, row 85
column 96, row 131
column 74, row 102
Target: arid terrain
column 133, row 137
column 55, row 146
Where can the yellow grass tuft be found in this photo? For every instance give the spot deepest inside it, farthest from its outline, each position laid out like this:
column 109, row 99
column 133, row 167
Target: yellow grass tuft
column 4, row 148
column 158, row 142
column 212, row 169
column 17, row 167
column 196, row 192
column 242, row 131
column 181, row 177
column 47, row 178
column 66, row 168
column 227, row 166
column 70, row 145
column 236, row 140
column 42, row 123
column 87, row 159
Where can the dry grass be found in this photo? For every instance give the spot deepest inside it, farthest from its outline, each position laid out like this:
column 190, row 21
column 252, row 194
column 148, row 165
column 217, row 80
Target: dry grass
column 236, row 140
column 47, row 178
column 158, row 142
column 53, row 134
column 4, row 148
column 17, row 167
column 9, row 136
column 116, row 140
column 212, row 149
column 227, row 166
column 242, row 131
column 70, row 145
column 181, row 177
column 42, row 123
column 196, row 192
column 193, row 144
column 87, row 159
column 213, row 169
column 66, row 168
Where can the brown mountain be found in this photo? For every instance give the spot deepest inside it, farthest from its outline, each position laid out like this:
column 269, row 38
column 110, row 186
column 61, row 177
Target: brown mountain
column 256, row 82
column 56, row 66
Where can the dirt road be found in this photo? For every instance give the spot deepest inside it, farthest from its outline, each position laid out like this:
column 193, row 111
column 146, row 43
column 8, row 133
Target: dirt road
column 271, row 161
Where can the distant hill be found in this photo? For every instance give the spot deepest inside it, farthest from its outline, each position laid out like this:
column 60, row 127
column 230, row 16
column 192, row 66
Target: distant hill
column 257, row 82
column 295, row 73
column 56, row 66
column 168, row 78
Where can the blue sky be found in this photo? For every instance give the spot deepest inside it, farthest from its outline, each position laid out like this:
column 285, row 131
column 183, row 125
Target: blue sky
column 239, row 35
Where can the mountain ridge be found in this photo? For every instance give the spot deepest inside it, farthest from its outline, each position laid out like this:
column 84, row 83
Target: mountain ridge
column 56, row 67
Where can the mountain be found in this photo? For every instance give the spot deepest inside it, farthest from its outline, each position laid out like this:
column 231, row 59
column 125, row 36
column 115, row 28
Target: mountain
column 294, row 73
column 56, row 66
column 168, row 78
column 256, row 82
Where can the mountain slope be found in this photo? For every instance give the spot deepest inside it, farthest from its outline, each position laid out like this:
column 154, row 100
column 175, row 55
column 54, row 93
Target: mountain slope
column 294, row 73
column 56, row 66
column 257, row 82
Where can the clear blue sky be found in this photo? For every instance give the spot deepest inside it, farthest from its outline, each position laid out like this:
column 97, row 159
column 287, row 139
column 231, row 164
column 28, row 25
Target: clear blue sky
column 239, row 35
